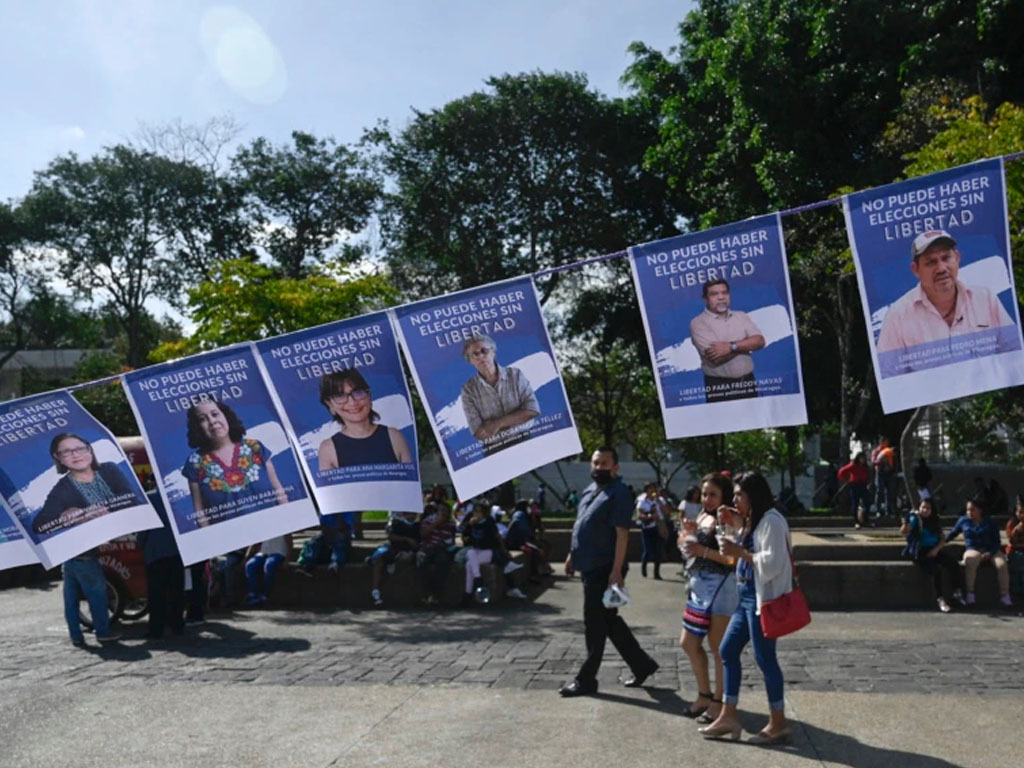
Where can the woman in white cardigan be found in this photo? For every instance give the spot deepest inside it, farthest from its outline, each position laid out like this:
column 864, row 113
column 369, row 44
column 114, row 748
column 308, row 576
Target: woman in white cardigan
column 764, row 572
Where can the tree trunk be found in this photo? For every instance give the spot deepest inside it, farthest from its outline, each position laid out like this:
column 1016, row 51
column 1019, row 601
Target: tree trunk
column 907, row 450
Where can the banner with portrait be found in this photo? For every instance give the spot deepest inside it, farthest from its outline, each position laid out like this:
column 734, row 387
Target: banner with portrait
column 67, row 485
column 220, row 455
column 484, row 366
column 14, row 550
column 936, row 284
column 346, row 406
column 718, row 312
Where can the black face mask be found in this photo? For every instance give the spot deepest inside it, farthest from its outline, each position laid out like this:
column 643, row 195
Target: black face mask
column 601, row 476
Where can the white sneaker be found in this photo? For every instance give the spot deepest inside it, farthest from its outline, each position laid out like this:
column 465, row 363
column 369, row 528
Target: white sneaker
column 513, row 566
column 517, row 593
column 943, row 606
column 377, row 599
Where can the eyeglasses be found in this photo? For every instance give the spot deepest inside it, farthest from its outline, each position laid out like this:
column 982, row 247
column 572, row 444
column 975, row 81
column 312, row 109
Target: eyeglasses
column 356, row 394
column 68, row 452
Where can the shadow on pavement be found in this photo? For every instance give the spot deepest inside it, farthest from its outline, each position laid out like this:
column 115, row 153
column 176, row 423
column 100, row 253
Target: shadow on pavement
column 835, row 748
column 228, row 642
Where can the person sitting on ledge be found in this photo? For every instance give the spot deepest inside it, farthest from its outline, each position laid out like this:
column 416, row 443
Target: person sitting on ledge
column 926, row 547
column 1015, row 548
column 403, row 534
column 434, row 556
column 261, row 565
column 981, row 540
column 330, row 547
column 482, row 543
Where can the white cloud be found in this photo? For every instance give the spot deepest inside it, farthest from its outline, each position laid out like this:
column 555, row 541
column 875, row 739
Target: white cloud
column 72, row 133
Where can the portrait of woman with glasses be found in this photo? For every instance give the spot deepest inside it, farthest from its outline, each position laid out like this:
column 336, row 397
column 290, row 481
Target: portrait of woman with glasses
column 360, row 440
column 86, row 490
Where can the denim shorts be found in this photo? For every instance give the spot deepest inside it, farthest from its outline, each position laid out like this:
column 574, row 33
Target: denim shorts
column 714, row 593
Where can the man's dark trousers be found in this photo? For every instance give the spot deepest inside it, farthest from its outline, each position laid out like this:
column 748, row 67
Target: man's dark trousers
column 601, row 624
column 166, row 593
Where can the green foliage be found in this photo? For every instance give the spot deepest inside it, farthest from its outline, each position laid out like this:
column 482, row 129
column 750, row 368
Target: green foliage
column 305, row 199
column 107, row 402
column 112, row 221
column 537, row 171
column 987, row 427
column 246, row 300
column 974, row 133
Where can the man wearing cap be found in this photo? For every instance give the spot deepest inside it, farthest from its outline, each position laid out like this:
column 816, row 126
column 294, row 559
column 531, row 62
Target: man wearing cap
column 939, row 306
column 725, row 338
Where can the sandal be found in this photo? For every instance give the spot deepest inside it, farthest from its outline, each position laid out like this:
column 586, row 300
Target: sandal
column 706, row 718
column 694, row 714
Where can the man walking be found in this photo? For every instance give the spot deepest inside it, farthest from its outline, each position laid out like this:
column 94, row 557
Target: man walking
column 599, row 541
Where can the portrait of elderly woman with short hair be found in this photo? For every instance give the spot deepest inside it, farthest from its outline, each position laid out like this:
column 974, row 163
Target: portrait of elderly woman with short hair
column 498, row 401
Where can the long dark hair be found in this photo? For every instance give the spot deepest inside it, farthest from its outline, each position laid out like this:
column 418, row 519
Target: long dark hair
column 334, row 384
column 58, row 464
column 198, row 439
column 722, row 483
column 758, row 493
column 931, row 523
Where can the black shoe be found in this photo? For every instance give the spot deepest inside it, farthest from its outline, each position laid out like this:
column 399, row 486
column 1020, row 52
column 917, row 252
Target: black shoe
column 643, row 570
column 639, row 678
column 576, row 688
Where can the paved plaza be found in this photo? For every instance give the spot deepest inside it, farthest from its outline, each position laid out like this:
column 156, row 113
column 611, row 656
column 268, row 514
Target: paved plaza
column 477, row 687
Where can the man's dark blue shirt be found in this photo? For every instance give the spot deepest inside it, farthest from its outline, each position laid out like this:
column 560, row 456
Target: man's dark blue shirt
column 602, row 509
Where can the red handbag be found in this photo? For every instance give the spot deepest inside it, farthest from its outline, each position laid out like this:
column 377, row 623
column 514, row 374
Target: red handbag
column 788, row 613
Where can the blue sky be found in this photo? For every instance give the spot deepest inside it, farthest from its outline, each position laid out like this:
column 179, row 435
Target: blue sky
column 81, row 74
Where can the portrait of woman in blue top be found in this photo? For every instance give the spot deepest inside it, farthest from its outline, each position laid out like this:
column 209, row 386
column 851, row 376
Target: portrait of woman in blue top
column 361, row 440
column 228, row 474
column 87, row 489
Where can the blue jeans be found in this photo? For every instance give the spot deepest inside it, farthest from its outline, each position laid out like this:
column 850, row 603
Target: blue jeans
column 265, row 564
column 858, row 494
column 883, row 497
column 652, row 545
column 745, row 627
column 84, row 578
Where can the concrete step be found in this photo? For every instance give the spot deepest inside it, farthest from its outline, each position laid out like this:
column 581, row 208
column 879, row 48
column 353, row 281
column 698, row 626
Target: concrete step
column 350, row 586
column 872, row 585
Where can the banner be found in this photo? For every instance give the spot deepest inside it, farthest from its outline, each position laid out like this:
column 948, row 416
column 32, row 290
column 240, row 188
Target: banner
column 220, row 456
column 483, row 363
column 67, row 485
column 14, row 550
column 718, row 312
column 936, row 284
column 344, row 398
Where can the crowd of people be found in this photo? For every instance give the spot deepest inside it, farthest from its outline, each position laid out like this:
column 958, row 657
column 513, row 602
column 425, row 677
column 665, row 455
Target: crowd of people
column 738, row 558
column 734, row 541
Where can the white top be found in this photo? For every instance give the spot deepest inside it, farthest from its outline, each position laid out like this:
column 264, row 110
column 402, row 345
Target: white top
column 647, row 506
column 773, row 571
column 275, row 546
column 690, row 509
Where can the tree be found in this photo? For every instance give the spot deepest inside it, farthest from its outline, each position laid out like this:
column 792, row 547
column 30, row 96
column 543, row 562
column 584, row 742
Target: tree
column 768, row 104
column 536, row 171
column 986, row 426
column 211, row 224
column 18, row 277
column 305, row 199
column 246, row 300
column 112, row 221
